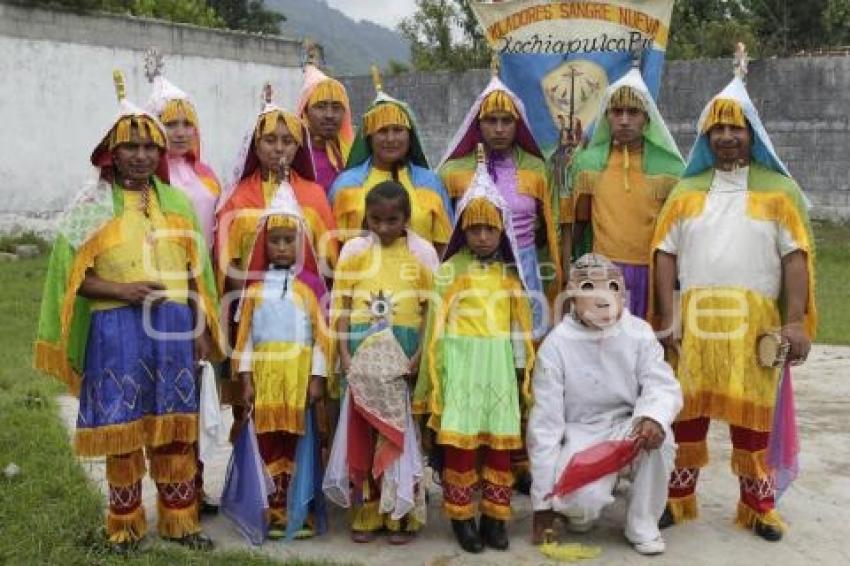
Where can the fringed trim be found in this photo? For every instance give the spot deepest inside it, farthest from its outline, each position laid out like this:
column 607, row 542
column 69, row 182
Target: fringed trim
column 366, row 517
column 328, row 90
column 460, row 479
column 274, row 418
column 419, row 407
column 267, row 123
column 281, row 466
column 51, row 359
column 734, row 411
column 495, row 510
column 384, row 115
column 497, row 477
column 457, row 182
column 776, row 206
column 124, row 438
column 751, row 465
column 683, row 508
column 692, row 455
column 126, row 528
column 481, row 211
column 747, row 517
column 459, row 512
column 177, row 523
column 584, row 184
column 626, row 97
column 177, row 109
column 471, row 442
column 173, row 468
column 123, row 470
column 724, row 111
column 497, row 101
column 147, row 128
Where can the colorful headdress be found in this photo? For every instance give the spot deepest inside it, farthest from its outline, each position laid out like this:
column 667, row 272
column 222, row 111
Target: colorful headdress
column 130, row 117
column 267, row 119
column 482, row 199
column 724, row 111
column 495, row 97
column 733, row 106
column 385, row 111
column 626, row 97
column 319, row 87
column 498, row 101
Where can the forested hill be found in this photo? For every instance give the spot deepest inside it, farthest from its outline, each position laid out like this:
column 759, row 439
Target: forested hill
column 350, row 47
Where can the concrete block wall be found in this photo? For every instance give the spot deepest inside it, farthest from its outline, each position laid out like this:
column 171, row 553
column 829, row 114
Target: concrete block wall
column 804, row 102
column 57, row 98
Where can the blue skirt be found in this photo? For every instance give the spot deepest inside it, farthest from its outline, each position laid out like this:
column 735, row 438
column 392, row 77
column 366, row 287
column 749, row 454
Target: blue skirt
column 132, row 374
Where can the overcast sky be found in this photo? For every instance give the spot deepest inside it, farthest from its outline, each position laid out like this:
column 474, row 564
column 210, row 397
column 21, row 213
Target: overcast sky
column 384, row 12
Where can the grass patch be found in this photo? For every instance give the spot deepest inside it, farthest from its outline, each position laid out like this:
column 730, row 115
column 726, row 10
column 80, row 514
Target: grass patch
column 9, row 242
column 833, row 282
column 50, row 513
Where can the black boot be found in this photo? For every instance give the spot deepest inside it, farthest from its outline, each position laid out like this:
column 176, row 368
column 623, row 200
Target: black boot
column 493, row 533
column 467, row 535
column 666, row 519
column 767, row 532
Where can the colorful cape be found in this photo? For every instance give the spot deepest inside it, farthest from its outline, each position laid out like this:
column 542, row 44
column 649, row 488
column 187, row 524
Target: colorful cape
column 313, row 77
column 457, row 168
column 88, row 228
column 347, row 194
column 662, row 162
column 772, row 193
column 163, row 92
column 453, row 278
column 239, row 218
column 360, row 151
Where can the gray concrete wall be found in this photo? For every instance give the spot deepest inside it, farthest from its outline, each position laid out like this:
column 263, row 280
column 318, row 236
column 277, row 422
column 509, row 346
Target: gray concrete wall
column 803, row 101
column 57, row 98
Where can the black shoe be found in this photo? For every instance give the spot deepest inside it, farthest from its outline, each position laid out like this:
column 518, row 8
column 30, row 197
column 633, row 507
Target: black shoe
column 522, row 483
column 195, row 541
column 767, row 532
column 207, row 508
column 667, row 519
column 467, row 535
column 493, row 533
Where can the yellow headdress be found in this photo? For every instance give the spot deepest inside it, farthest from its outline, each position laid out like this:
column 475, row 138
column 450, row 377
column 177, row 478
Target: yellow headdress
column 329, row 90
column 146, row 126
column 724, row 111
column 498, row 101
column 481, row 210
column 626, row 97
column 383, row 114
column 268, row 119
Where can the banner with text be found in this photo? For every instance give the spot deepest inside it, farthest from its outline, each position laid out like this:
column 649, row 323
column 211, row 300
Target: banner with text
column 559, row 57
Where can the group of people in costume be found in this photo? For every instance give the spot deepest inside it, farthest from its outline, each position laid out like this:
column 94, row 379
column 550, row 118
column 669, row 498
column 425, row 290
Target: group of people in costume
column 470, row 319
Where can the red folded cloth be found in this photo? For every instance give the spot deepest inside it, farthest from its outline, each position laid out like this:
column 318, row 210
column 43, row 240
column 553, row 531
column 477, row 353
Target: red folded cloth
column 593, row 463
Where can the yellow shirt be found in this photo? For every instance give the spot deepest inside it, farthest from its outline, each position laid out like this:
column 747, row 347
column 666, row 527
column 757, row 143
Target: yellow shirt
column 145, row 253
column 625, row 206
column 428, row 219
column 392, row 273
column 485, row 308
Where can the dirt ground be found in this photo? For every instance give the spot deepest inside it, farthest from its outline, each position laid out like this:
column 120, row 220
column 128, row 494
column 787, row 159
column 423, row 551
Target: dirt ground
column 816, row 508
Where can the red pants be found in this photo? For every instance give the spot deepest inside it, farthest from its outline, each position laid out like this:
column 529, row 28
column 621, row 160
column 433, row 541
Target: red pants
column 277, row 450
column 460, row 478
column 757, row 487
column 173, row 468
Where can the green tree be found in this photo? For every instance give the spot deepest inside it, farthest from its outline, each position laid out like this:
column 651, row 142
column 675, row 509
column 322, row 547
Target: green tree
column 248, row 15
column 184, row 11
column 709, row 28
column 444, row 34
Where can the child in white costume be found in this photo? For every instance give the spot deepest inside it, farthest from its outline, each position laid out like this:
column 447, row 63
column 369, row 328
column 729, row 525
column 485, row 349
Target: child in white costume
column 600, row 375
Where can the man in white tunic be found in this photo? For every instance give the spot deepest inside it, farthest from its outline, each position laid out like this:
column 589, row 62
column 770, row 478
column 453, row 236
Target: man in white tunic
column 600, row 375
column 735, row 234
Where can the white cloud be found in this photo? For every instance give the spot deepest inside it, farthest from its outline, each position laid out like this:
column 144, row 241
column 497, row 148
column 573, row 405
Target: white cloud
column 386, row 13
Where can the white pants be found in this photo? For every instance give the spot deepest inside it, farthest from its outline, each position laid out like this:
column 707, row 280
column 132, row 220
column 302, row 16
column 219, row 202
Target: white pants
column 649, row 473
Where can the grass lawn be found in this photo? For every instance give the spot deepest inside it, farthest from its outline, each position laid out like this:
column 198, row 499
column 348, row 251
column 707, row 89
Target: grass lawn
column 50, row 514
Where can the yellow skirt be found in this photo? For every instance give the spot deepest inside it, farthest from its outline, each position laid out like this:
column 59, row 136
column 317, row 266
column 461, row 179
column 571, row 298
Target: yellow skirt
column 281, row 378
